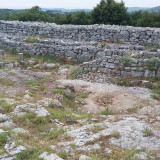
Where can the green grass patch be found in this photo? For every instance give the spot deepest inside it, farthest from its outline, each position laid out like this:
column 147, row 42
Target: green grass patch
column 55, row 134
column 5, row 107
column 58, row 91
column 106, row 112
column 64, row 155
column 95, row 129
column 32, row 83
column 29, row 154
column 83, row 95
column 31, row 121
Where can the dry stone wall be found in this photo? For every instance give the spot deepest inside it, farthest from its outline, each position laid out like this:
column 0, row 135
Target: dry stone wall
column 84, row 44
column 132, row 35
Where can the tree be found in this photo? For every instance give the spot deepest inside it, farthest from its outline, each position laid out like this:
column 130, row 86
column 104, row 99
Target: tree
column 33, row 14
column 110, row 12
column 80, row 18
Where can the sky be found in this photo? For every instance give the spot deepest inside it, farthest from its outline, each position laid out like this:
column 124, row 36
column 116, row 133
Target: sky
column 70, row 4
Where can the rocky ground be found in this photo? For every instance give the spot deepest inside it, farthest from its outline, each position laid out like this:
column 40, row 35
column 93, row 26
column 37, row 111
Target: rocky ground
column 46, row 115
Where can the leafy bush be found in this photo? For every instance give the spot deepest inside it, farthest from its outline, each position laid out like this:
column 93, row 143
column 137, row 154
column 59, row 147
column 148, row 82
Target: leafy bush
column 153, row 64
column 3, row 139
column 126, row 61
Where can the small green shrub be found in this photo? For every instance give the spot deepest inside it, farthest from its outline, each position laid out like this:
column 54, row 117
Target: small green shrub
column 70, row 96
column 5, row 107
column 64, row 154
column 153, row 64
column 13, row 51
column 74, row 72
column 31, row 39
column 126, row 61
column 55, row 134
column 3, row 139
column 147, row 132
column 83, row 95
column 30, row 154
column 106, row 112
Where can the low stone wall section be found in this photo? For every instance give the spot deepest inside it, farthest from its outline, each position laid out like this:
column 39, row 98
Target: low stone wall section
column 111, row 33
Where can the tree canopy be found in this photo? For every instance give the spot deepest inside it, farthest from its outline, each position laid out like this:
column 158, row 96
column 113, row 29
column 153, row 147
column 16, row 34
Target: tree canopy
column 110, row 12
column 106, row 12
column 33, row 14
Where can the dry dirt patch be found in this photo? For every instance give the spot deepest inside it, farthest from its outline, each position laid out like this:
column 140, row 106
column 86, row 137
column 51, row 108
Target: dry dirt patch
column 118, row 98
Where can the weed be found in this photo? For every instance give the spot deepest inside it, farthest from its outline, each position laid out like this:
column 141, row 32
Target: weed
column 115, row 134
column 106, row 112
column 156, row 92
column 29, row 154
column 64, row 155
column 31, row 39
column 50, row 59
column 122, row 81
column 149, row 47
column 153, row 64
column 70, row 96
column 126, row 61
column 30, row 120
column 6, row 82
column 40, row 120
column 58, row 91
column 12, row 51
column 5, row 107
column 156, row 96
column 74, row 72
column 58, row 114
column 147, row 132
column 3, row 139
column 55, row 134
column 83, row 95
column 32, row 83
column 73, row 146
column 95, row 129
